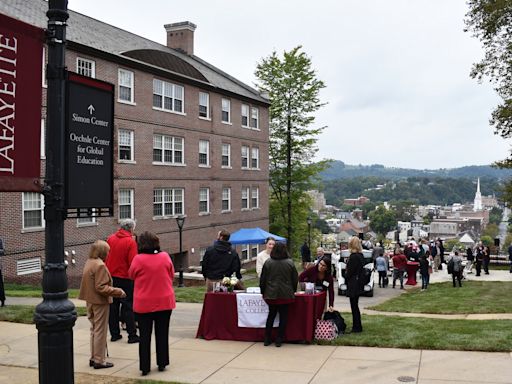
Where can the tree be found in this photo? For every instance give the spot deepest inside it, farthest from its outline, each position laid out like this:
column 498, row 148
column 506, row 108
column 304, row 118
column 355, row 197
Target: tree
column 382, row 220
column 293, row 89
column 490, row 21
column 495, row 215
column 492, row 230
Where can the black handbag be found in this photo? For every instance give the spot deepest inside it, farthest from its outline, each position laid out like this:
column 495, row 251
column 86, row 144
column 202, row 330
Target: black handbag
column 338, row 320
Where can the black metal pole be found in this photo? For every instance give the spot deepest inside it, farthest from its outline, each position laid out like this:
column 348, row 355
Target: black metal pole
column 55, row 316
column 309, row 235
column 180, row 280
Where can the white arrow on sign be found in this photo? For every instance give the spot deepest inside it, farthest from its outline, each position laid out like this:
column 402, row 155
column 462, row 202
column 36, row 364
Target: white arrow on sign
column 91, row 109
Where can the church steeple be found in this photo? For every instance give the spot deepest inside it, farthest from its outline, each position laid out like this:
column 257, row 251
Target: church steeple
column 477, row 204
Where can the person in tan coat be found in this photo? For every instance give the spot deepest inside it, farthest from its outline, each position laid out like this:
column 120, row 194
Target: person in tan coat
column 97, row 290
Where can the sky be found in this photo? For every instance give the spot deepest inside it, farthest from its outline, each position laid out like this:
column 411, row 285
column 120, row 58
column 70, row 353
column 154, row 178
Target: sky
column 398, row 89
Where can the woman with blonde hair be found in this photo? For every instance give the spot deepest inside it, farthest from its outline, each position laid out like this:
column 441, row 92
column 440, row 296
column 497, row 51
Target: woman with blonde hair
column 353, row 276
column 97, row 290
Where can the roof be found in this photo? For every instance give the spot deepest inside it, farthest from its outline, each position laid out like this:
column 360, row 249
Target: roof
column 252, row 236
column 85, row 30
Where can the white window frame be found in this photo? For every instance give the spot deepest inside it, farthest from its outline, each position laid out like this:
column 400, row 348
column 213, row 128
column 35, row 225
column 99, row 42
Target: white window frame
column 35, row 198
column 169, row 199
column 204, row 149
column 44, row 81
column 86, row 221
column 82, row 69
column 169, row 143
column 121, row 202
column 204, row 103
column 225, row 108
column 204, row 197
column 244, row 112
column 245, row 199
column 225, row 152
column 255, row 197
column 43, row 139
column 170, row 91
column 245, row 253
column 254, row 251
column 131, row 136
column 254, row 121
column 255, row 158
column 130, row 85
column 226, row 196
column 246, row 149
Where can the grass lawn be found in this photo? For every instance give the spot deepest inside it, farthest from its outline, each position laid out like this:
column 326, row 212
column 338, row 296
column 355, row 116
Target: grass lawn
column 442, row 298
column 25, row 313
column 421, row 333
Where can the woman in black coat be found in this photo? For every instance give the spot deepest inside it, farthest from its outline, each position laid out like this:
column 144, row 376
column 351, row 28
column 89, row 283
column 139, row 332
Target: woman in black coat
column 353, row 276
column 278, row 283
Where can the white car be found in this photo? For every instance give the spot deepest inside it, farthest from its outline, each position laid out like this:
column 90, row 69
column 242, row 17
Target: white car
column 341, row 266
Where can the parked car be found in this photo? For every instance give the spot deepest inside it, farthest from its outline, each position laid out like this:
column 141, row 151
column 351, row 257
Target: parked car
column 341, row 267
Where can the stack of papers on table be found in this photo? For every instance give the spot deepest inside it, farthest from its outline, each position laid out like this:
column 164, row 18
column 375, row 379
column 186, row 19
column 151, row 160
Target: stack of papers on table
column 253, row 290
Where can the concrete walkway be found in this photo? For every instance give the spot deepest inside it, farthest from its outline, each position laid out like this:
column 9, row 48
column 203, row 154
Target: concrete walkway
column 200, row 361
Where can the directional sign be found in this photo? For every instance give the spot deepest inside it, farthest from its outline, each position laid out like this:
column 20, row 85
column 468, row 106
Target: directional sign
column 89, row 143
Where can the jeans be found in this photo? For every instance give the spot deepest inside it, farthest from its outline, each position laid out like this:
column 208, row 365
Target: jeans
column 425, row 279
column 382, row 276
column 457, row 275
column 398, row 274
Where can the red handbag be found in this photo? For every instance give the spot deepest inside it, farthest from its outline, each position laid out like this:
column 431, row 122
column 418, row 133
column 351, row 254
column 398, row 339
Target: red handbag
column 325, row 330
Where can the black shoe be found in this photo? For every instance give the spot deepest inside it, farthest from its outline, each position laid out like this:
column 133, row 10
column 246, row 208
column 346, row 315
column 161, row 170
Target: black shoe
column 279, row 342
column 101, row 366
column 3, row 302
column 144, row 373
column 116, row 337
column 91, row 363
column 133, row 339
column 356, row 330
column 161, row 368
column 266, row 343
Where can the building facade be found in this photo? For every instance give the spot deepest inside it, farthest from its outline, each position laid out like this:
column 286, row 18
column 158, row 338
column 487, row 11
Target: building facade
column 189, row 140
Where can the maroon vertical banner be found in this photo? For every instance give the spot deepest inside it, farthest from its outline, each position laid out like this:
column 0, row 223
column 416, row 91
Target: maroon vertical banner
column 21, row 58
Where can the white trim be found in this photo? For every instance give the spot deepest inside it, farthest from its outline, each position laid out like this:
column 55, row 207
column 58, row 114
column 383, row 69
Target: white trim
column 131, row 86
column 23, row 209
column 131, row 203
column 88, row 61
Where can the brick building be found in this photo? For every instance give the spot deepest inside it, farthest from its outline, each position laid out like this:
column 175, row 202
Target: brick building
column 189, row 139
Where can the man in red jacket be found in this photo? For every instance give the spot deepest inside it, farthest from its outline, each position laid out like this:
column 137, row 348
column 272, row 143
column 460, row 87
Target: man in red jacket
column 123, row 249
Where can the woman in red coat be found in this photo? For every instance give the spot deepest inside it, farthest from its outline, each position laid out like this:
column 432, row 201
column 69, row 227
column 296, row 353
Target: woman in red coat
column 321, row 275
column 153, row 299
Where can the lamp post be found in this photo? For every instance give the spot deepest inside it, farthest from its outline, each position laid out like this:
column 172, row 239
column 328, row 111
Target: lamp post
column 55, row 316
column 180, row 220
column 308, row 220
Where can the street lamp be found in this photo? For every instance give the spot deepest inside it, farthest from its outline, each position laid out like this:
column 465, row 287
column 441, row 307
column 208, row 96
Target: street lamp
column 308, row 220
column 180, row 220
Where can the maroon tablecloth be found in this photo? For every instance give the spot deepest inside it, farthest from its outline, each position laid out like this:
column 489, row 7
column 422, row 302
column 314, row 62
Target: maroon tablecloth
column 411, row 268
column 219, row 319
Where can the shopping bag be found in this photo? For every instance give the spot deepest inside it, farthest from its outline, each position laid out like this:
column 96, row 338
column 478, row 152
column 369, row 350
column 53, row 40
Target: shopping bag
column 325, row 330
column 338, row 320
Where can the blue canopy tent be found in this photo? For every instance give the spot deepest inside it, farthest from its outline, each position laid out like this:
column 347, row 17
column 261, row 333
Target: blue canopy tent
column 252, row 236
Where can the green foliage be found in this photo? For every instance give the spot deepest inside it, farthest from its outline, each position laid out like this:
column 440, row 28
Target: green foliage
column 508, row 241
column 454, row 244
column 492, row 230
column 495, row 215
column 382, row 220
column 293, row 89
column 487, row 240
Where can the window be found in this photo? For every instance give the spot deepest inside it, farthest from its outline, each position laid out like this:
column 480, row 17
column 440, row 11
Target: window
column 167, row 202
column 44, row 82
column 87, row 219
column 167, row 96
column 226, row 155
column 255, row 157
column 226, row 199
column 254, row 251
column 43, row 139
column 226, row 111
column 33, row 206
column 125, row 86
column 204, row 105
column 245, row 115
column 85, row 67
column 254, row 118
column 125, row 145
column 204, row 200
column 167, row 149
column 125, row 202
column 245, row 198
column 202, row 251
column 204, row 152
column 245, row 156
column 245, row 252
column 255, row 197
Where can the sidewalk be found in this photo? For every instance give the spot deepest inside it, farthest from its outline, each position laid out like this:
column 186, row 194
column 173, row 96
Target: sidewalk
column 200, row 361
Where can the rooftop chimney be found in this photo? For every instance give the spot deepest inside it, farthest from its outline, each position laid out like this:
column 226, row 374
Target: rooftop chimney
column 180, row 36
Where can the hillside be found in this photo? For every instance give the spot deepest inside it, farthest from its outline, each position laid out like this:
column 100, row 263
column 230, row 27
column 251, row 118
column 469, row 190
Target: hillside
column 340, row 170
